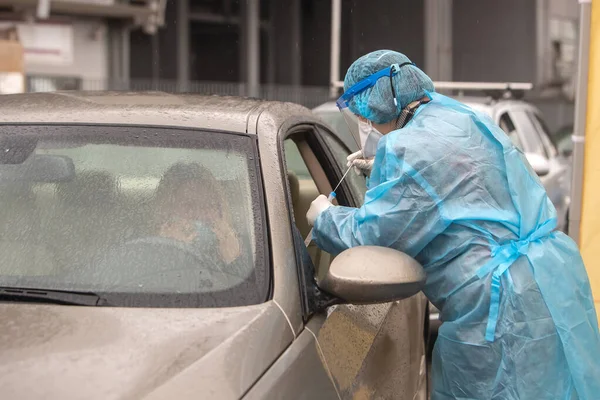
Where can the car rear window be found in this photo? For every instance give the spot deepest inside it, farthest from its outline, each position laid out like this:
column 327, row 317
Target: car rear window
column 149, row 217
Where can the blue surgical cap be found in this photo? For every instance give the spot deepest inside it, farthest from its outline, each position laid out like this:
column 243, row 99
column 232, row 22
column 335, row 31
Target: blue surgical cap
column 377, row 104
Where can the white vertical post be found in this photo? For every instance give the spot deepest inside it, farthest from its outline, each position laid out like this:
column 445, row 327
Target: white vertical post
column 43, row 9
column 183, row 45
column 336, row 33
column 438, row 39
column 125, row 55
column 542, row 41
column 253, row 49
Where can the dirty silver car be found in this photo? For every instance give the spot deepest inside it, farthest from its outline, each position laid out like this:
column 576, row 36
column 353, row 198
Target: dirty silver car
column 152, row 247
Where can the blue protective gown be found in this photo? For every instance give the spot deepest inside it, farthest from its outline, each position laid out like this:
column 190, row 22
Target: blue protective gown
column 452, row 191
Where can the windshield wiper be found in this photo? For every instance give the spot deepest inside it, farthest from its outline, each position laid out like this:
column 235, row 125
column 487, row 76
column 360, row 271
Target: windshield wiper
column 64, row 297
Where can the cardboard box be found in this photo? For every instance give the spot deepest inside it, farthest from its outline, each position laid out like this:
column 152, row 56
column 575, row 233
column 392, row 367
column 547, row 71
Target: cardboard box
column 12, row 67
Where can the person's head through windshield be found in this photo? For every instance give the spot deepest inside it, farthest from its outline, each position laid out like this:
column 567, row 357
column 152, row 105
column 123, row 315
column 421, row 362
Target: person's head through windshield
column 192, row 208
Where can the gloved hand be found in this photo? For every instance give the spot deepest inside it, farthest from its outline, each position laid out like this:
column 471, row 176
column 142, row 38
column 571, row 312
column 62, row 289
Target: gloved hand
column 360, row 164
column 318, row 205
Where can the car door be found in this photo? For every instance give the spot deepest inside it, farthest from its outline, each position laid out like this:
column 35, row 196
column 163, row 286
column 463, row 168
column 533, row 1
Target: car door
column 373, row 351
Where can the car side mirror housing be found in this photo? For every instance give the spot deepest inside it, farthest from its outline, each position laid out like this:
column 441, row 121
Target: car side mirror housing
column 540, row 164
column 372, row 275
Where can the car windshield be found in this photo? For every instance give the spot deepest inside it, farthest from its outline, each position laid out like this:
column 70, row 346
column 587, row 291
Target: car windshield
column 149, row 217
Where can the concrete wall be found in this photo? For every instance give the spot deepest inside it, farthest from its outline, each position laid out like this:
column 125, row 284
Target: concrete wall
column 494, row 40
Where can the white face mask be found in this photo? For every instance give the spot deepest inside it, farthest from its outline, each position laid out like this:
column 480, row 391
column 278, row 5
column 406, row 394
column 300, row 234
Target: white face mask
column 369, row 137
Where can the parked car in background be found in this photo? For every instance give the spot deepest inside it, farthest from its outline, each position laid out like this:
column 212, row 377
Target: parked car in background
column 562, row 139
column 153, row 247
column 524, row 125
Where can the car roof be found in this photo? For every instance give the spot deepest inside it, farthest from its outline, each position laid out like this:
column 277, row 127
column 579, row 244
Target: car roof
column 141, row 108
column 330, row 106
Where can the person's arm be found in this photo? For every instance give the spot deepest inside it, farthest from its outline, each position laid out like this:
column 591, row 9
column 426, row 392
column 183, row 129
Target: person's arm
column 229, row 243
column 401, row 211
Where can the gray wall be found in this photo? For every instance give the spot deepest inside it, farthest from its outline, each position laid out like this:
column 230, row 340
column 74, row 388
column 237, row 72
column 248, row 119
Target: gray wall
column 214, row 53
column 383, row 24
column 366, row 26
column 494, row 40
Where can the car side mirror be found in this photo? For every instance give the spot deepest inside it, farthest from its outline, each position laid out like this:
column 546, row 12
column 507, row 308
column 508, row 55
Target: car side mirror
column 371, row 275
column 540, row 164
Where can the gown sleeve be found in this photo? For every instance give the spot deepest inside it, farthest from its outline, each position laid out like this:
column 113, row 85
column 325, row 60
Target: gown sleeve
column 401, row 209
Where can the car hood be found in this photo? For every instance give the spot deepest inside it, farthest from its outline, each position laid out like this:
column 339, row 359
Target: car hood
column 64, row 352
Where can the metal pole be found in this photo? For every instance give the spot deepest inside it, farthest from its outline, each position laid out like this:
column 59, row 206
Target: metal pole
column 336, row 32
column 114, row 48
column 253, row 52
column 43, row 9
column 155, row 60
column 580, row 119
column 438, row 39
column 431, row 39
column 543, row 40
column 183, row 45
column 446, row 49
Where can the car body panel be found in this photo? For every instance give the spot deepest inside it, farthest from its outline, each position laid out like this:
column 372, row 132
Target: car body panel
column 72, row 352
column 362, row 351
column 285, row 271
column 300, row 373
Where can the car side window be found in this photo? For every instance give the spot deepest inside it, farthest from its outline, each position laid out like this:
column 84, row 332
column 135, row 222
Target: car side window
column 302, row 186
column 544, row 133
column 294, row 161
column 356, row 183
column 529, row 133
column 306, row 180
column 508, row 127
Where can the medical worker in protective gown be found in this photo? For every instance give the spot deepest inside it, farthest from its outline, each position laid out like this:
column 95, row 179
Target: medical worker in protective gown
column 448, row 187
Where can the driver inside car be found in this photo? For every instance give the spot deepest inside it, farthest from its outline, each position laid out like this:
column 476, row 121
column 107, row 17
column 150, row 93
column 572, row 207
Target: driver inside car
column 191, row 208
